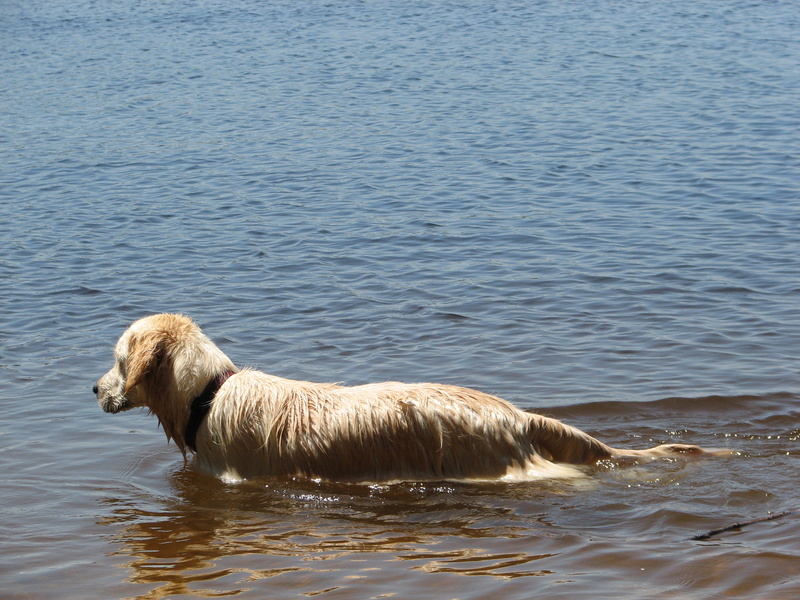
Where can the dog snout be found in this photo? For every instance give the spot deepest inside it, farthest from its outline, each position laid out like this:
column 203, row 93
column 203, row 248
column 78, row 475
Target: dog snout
column 94, row 389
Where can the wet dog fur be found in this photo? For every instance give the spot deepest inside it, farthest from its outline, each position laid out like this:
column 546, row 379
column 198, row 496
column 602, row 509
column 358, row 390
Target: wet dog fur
column 263, row 425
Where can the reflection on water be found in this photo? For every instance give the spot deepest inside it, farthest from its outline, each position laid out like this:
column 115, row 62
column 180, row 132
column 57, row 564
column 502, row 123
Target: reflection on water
column 280, row 528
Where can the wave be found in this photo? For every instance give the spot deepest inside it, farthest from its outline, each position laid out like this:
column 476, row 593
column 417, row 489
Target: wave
column 776, row 403
column 766, row 423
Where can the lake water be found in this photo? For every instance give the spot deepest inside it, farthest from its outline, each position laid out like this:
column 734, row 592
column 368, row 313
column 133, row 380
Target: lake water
column 589, row 208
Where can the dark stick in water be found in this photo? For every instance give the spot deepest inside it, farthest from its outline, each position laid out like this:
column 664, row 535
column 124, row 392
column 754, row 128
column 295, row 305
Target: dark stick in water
column 713, row 532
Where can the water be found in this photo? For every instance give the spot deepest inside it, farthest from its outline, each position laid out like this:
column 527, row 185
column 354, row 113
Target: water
column 591, row 209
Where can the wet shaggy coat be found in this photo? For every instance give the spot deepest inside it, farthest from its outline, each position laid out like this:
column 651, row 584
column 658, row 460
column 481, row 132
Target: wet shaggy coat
column 262, row 425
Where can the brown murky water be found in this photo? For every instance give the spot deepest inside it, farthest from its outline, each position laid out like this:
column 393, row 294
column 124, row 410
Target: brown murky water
column 156, row 528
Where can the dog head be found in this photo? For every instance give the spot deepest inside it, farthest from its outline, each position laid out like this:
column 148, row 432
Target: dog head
column 142, row 357
column 162, row 363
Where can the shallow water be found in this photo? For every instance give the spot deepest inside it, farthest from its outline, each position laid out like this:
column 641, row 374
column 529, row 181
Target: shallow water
column 589, row 209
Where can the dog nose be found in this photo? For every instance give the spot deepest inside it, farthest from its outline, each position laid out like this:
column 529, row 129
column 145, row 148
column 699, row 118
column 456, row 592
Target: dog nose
column 94, row 389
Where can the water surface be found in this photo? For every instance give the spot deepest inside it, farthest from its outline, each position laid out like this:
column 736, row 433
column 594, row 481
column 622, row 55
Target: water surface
column 591, row 209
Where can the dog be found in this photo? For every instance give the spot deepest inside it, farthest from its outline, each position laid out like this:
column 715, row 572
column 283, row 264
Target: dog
column 242, row 423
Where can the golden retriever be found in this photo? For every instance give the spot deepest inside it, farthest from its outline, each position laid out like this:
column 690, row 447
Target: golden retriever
column 244, row 423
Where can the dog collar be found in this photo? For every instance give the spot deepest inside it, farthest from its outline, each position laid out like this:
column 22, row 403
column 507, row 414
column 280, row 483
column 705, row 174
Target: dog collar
column 200, row 407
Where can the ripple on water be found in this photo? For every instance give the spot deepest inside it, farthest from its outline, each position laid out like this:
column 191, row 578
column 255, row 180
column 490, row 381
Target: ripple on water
column 589, row 210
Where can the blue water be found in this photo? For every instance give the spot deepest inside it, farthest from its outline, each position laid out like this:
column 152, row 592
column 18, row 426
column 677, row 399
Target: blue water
column 562, row 203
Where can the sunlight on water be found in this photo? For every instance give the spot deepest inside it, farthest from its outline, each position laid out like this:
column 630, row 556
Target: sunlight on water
column 588, row 209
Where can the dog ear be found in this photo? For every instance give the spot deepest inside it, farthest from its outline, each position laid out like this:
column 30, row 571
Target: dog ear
column 144, row 352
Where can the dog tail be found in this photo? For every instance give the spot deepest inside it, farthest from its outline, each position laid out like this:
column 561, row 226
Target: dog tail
column 561, row 443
